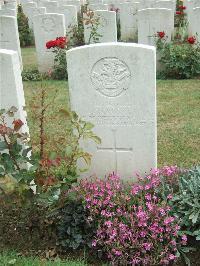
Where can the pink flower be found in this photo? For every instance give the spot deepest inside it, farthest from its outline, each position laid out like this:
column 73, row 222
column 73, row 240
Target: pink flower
column 169, row 197
column 108, row 223
column 172, row 257
column 94, row 243
column 147, row 246
column 168, row 220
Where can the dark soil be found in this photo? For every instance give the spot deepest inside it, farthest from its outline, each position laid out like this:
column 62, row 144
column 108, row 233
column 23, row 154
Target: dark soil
column 25, row 229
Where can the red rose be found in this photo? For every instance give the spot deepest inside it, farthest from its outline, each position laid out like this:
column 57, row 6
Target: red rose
column 17, row 124
column 179, row 13
column 191, row 40
column 182, row 7
column 61, row 42
column 51, row 44
column 161, row 34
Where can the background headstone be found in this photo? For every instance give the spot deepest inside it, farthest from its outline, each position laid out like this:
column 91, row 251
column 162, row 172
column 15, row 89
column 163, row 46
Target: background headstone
column 128, row 21
column 47, row 27
column 107, row 28
column 9, row 35
column 153, row 20
column 11, row 88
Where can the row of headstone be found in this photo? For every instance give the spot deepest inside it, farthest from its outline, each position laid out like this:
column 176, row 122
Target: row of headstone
column 145, row 25
column 36, row 8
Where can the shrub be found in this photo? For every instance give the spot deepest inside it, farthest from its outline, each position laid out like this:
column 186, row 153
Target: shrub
column 31, row 75
column 134, row 226
column 25, row 33
column 59, row 47
column 186, row 200
column 73, row 229
column 180, row 60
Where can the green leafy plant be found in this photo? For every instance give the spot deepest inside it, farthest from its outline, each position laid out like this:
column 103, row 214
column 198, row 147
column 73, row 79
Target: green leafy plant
column 183, row 186
column 57, row 154
column 73, row 229
column 32, row 75
column 25, row 33
column 15, row 160
column 186, row 203
column 180, row 60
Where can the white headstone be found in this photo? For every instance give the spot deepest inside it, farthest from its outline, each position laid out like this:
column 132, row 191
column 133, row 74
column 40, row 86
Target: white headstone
column 11, row 88
column 153, row 20
column 8, row 12
column 95, row 7
column 195, row 23
column 76, row 3
column 169, row 4
column 35, row 11
column 26, row 8
column 70, row 14
column 47, row 27
column 107, row 28
column 115, row 89
column 128, row 21
column 94, row 2
column 9, row 36
column 51, row 6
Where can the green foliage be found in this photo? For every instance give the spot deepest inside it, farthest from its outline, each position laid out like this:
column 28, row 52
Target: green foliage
column 186, row 202
column 15, row 160
column 180, row 60
column 184, row 186
column 73, row 229
column 31, row 75
column 25, row 33
column 56, row 153
column 60, row 65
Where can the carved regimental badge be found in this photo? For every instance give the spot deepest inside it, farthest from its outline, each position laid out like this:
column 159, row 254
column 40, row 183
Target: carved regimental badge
column 48, row 24
column 110, row 76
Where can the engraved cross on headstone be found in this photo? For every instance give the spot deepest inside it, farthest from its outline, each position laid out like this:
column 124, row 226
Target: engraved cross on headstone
column 115, row 149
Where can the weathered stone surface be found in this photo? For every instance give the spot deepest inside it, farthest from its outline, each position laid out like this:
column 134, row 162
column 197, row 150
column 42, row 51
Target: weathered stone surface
column 114, row 88
column 153, row 20
column 9, row 36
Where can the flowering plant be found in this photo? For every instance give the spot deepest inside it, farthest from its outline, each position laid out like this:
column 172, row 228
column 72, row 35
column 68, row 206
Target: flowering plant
column 133, row 224
column 59, row 47
column 59, row 42
column 179, row 58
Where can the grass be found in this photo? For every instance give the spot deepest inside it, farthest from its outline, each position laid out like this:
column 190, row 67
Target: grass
column 177, row 108
column 11, row 258
column 29, row 58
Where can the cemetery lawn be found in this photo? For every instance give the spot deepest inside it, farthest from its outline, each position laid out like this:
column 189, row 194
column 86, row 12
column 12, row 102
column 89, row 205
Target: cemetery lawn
column 177, row 107
column 29, row 58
